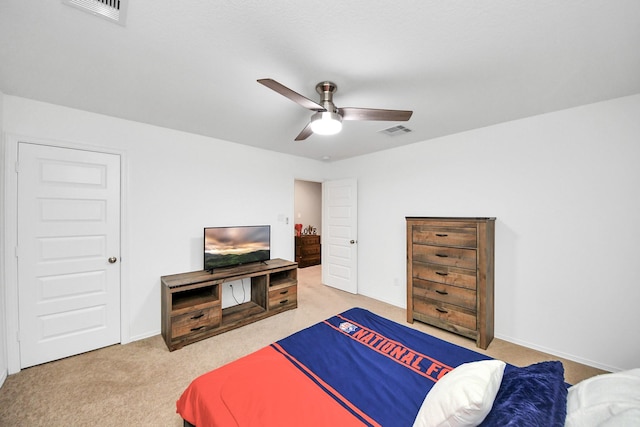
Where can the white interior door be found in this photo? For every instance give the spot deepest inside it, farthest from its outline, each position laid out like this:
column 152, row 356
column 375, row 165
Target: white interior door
column 340, row 234
column 68, row 252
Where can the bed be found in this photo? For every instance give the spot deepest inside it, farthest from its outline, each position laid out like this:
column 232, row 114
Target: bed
column 357, row 368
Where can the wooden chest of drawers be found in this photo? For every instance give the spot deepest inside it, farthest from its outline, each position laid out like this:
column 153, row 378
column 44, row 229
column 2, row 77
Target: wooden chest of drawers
column 450, row 265
column 307, row 250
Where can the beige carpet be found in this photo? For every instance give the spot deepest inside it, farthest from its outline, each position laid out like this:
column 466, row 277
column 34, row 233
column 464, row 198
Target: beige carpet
column 139, row 383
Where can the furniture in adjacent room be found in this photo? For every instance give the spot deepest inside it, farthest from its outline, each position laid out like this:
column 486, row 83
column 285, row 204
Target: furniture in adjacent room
column 450, row 275
column 307, row 250
column 192, row 304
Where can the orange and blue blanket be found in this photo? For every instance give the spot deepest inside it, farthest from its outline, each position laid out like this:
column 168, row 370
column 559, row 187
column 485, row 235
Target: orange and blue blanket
column 353, row 369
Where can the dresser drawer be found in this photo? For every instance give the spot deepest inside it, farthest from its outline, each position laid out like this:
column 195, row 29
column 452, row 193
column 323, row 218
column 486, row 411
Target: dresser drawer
column 308, row 261
column 445, row 236
column 283, row 297
column 455, row 276
column 445, row 313
column 453, row 257
column 196, row 321
column 310, row 250
column 308, row 240
column 453, row 295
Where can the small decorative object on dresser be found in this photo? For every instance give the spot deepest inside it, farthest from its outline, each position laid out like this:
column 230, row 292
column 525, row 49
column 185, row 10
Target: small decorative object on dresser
column 450, row 269
column 307, row 250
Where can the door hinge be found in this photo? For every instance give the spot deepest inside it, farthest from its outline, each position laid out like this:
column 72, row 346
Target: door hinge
column 18, row 336
column 17, row 167
column 17, row 252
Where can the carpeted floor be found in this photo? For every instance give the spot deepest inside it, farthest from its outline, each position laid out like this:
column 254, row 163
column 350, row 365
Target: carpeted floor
column 138, row 383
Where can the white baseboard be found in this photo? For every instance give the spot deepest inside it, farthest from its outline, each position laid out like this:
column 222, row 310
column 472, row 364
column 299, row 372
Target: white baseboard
column 560, row 354
column 3, row 377
column 142, row 336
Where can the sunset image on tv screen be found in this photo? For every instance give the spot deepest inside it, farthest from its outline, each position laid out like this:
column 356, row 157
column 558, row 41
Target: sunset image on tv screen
column 228, row 246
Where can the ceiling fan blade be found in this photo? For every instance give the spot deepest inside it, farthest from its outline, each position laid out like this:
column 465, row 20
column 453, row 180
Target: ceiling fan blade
column 306, row 133
column 294, row 96
column 351, row 113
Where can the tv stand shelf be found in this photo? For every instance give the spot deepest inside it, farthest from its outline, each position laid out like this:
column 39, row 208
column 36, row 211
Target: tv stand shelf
column 192, row 306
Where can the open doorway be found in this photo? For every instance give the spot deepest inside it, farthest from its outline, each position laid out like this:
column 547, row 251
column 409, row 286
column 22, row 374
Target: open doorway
column 307, row 222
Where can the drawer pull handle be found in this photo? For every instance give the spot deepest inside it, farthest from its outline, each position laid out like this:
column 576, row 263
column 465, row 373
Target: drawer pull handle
column 442, row 292
column 440, row 273
column 284, row 301
column 441, row 235
column 442, row 255
column 441, row 310
column 284, row 292
column 198, row 316
column 197, row 329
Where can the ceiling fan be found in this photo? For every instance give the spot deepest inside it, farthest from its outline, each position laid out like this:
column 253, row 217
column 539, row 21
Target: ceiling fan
column 327, row 119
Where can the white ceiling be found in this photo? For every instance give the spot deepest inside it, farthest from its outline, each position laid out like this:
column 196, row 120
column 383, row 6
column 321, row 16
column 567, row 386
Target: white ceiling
column 193, row 65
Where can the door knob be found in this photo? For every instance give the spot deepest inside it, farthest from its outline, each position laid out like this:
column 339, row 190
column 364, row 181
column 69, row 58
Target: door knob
column 353, row 242
column 112, row 260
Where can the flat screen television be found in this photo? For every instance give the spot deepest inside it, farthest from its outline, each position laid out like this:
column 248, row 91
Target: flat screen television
column 233, row 246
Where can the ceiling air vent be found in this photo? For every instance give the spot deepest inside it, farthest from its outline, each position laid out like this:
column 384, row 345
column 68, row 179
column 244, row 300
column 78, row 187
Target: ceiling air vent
column 113, row 10
column 396, row 130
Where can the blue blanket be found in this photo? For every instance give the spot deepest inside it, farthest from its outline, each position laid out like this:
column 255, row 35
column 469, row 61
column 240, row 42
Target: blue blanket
column 354, row 369
column 383, row 368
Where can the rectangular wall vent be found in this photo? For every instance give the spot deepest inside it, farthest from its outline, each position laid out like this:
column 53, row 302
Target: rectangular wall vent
column 112, row 10
column 396, row 130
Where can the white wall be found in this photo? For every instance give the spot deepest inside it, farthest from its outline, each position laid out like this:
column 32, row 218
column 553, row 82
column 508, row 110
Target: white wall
column 3, row 323
column 565, row 190
column 176, row 184
column 308, row 204
column 563, row 187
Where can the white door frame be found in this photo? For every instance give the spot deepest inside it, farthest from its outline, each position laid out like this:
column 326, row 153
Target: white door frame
column 10, row 233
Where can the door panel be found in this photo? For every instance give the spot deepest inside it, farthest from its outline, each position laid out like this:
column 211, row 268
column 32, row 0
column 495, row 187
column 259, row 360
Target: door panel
column 340, row 223
column 68, row 228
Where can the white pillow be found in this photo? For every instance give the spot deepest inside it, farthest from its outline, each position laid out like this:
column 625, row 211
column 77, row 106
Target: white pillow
column 608, row 399
column 463, row 397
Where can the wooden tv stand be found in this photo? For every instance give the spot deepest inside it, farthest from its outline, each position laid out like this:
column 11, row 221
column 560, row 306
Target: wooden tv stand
column 191, row 302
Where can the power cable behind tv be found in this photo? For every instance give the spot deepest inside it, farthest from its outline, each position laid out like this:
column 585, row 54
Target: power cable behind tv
column 244, row 293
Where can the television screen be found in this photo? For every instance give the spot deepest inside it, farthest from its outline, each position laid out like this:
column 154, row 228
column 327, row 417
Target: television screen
column 231, row 246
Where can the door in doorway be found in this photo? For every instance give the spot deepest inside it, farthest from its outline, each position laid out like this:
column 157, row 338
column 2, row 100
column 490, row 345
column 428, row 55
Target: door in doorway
column 68, row 252
column 340, row 229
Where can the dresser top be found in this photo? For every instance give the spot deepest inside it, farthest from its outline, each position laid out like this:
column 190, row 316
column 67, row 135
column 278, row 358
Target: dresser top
column 448, row 218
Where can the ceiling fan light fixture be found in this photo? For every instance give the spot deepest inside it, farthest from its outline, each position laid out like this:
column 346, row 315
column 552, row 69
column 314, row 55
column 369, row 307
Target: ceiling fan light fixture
column 326, row 123
column 327, row 118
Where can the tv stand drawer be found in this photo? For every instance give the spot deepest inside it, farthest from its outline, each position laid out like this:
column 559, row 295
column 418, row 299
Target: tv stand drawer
column 196, row 321
column 283, row 297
